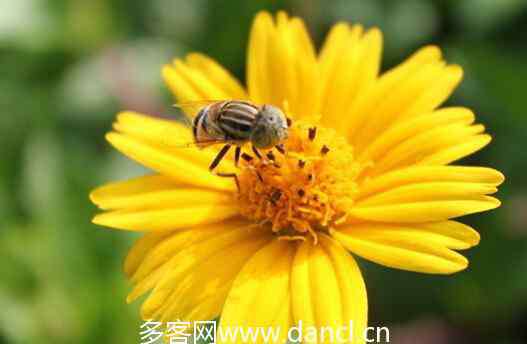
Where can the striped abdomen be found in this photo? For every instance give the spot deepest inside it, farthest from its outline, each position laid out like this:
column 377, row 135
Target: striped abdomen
column 236, row 119
column 230, row 121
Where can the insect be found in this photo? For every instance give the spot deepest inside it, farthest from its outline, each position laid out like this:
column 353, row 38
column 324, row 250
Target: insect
column 237, row 122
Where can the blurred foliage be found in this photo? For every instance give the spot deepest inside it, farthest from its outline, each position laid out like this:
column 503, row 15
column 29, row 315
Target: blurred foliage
column 68, row 66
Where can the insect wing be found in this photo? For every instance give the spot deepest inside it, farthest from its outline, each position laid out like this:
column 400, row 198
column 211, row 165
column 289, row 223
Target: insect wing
column 189, row 110
column 192, row 144
column 177, row 134
column 192, row 108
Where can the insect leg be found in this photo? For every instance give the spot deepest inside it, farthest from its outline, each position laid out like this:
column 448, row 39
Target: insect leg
column 280, row 148
column 230, row 175
column 256, row 152
column 218, row 157
column 246, row 157
column 237, row 153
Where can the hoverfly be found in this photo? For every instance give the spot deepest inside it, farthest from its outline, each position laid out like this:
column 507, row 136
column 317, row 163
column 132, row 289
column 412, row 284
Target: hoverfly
column 235, row 123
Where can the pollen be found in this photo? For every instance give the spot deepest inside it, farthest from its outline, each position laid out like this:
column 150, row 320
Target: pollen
column 303, row 188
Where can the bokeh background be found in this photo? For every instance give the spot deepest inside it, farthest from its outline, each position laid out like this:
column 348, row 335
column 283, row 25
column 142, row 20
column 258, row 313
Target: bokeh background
column 66, row 67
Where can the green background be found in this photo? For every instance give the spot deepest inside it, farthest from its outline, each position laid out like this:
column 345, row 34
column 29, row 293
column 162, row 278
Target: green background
column 66, row 67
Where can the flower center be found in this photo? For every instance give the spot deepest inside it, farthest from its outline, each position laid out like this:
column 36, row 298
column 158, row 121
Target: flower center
column 303, row 188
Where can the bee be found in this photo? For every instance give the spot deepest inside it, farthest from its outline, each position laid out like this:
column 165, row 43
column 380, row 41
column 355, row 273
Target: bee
column 237, row 122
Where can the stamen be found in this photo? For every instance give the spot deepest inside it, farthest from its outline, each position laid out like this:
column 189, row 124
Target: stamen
column 305, row 191
column 312, row 133
column 259, row 176
column 314, row 235
column 259, row 209
column 289, row 208
column 304, row 226
column 325, row 220
column 310, row 211
column 275, row 227
column 311, row 179
column 275, row 196
column 292, row 237
column 341, row 219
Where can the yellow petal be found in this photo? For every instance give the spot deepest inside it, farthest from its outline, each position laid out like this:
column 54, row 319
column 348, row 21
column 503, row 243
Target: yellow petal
column 260, row 295
column 335, row 42
column 140, row 249
column 426, row 174
column 257, row 78
column 371, row 57
column 281, row 65
column 282, row 74
column 200, row 82
column 302, row 301
column 351, row 286
column 420, row 247
column 452, row 234
column 187, row 259
column 449, row 234
column 421, row 91
column 362, row 111
column 170, row 163
column 426, row 193
column 422, row 146
column 180, row 87
column 414, row 126
column 431, row 191
column 167, row 135
column 194, row 303
column 458, row 151
column 153, row 192
column 438, row 93
column 162, row 251
column 167, row 218
column 306, row 104
column 425, row 211
column 217, row 75
column 155, row 256
column 349, row 64
column 417, row 86
column 199, row 77
column 328, row 291
column 384, row 112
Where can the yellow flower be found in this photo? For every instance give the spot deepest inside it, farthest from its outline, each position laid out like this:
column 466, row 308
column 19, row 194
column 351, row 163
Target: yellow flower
column 365, row 170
